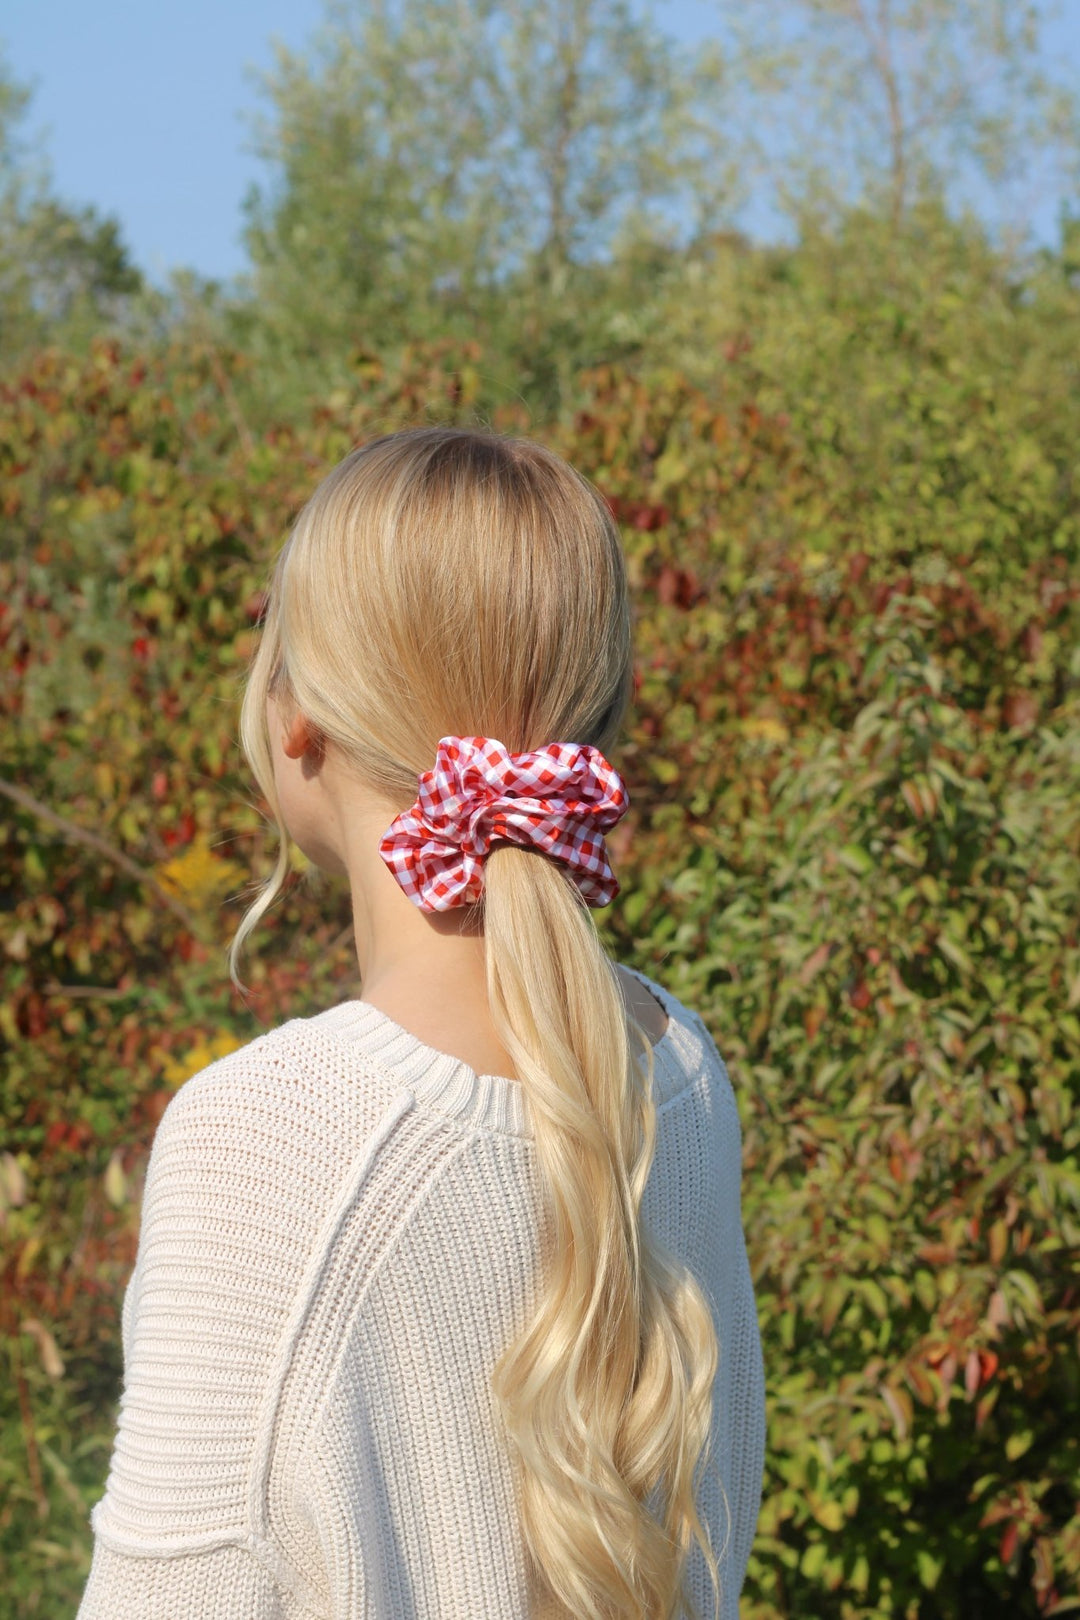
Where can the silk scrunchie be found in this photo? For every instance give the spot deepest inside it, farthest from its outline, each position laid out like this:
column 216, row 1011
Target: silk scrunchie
column 559, row 799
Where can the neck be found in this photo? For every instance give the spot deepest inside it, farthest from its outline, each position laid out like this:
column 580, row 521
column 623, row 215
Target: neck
column 398, row 944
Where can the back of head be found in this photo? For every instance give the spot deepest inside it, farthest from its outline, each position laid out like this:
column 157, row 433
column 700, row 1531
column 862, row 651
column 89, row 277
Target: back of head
column 444, row 581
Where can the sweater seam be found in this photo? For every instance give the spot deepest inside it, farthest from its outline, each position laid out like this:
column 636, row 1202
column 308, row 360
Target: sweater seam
column 310, row 1457
column 276, row 1552
column 286, row 1576
column 349, row 1190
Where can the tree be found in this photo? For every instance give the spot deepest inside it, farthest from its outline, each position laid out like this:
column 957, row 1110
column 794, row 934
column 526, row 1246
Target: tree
column 890, row 101
column 437, row 165
column 56, row 262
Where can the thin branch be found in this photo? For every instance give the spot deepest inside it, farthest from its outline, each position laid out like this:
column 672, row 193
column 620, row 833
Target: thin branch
column 232, row 404
column 98, row 992
column 339, row 939
column 880, row 42
column 92, row 840
column 26, row 1416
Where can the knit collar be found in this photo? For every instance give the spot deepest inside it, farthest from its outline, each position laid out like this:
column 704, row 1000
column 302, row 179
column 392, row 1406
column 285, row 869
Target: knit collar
column 489, row 1101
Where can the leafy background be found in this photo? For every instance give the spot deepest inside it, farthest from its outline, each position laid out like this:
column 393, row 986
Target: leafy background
column 845, row 475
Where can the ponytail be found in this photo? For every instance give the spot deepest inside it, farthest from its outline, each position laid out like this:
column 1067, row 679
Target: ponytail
column 607, row 1394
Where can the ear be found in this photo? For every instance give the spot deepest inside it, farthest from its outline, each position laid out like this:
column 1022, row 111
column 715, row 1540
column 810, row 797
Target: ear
column 300, row 738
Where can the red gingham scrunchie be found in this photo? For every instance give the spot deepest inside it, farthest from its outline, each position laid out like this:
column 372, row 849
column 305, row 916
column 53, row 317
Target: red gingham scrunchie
column 558, row 799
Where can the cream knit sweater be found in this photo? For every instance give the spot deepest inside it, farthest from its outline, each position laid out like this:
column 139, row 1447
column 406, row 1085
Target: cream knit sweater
column 341, row 1230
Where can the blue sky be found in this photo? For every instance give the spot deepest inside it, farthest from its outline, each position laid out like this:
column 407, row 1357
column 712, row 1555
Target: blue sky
column 142, row 106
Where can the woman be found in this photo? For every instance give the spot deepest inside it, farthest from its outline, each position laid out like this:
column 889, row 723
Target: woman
column 441, row 1306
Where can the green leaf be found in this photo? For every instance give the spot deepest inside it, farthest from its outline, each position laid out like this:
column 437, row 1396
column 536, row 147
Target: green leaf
column 813, row 1559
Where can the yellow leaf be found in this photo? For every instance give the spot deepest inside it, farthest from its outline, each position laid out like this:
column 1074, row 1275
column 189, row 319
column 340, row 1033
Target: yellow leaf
column 831, row 1515
column 200, row 1056
column 900, row 1409
column 115, row 1181
column 30, row 1251
column 12, row 1181
column 767, row 726
column 198, row 875
column 50, row 1355
column 998, row 1241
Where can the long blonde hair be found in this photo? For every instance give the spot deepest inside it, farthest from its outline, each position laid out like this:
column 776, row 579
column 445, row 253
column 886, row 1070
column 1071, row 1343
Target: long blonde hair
column 440, row 581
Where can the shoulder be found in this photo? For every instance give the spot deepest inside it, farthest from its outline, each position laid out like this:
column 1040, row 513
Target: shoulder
column 284, row 1093
column 668, row 1010
column 248, row 1158
column 643, row 1003
column 688, row 1037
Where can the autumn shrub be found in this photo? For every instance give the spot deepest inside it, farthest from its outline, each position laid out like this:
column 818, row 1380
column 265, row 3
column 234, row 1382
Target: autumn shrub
column 853, row 844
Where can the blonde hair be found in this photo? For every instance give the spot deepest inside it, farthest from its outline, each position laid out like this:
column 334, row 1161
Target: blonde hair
column 448, row 581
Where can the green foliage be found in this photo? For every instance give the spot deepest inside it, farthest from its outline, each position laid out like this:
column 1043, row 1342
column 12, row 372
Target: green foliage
column 555, row 181
column 854, row 844
column 435, row 169
column 62, row 269
column 887, row 943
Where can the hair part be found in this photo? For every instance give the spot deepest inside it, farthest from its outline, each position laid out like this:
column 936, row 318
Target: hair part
column 450, row 581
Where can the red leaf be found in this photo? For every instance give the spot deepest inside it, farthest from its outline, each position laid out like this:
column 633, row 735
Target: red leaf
column 815, row 961
column 689, row 590
column 972, row 1373
column 1032, row 640
column 1020, row 708
column 649, row 517
column 988, row 1365
column 812, row 1019
column 32, row 1019
column 947, row 1372
column 667, row 584
column 912, row 799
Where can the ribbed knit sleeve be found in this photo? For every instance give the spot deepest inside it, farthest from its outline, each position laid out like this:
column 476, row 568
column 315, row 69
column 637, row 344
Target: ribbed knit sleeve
column 740, row 1431
column 245, row 1164
column 693, row 1202
column 747, row 1428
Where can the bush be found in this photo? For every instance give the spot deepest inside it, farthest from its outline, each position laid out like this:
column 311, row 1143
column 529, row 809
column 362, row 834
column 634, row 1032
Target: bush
column 854, row 845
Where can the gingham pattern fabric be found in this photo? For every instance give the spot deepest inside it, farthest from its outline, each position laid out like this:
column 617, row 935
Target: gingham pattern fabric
column 559, row 799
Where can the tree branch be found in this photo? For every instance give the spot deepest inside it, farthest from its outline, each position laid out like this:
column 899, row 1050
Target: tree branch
column 116, row 857
column 880, row 42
